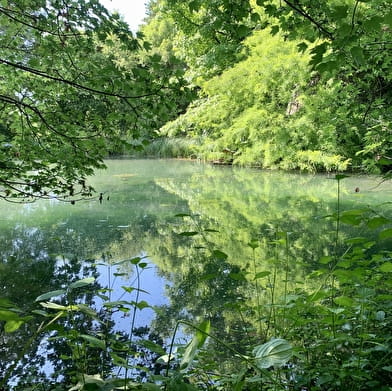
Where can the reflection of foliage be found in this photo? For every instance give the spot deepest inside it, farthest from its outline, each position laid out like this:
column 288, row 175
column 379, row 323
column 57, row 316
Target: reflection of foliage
column 255, row 256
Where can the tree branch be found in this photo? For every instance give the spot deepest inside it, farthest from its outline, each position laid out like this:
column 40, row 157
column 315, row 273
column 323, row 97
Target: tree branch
column 39, row 73
column 320, row 27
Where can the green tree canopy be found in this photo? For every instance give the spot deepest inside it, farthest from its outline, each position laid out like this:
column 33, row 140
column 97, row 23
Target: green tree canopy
column 68, row 97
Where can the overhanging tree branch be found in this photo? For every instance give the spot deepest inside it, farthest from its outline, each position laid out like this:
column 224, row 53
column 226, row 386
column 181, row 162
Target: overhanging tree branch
column 39, row 73
column 320, row 27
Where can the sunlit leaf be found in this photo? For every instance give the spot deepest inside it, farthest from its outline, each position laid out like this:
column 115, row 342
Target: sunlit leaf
column 142, row 304
column 13, row 325
column 197, row 342
column 8, row 315
column 81, row 283
column 386, row 267
column 275, row 352
column 55, row 306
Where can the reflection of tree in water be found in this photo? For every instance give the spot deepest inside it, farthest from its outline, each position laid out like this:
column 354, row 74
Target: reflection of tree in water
column 281, row 214
column 29, row 268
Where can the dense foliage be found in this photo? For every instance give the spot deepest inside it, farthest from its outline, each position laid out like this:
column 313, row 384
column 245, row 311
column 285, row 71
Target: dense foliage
column 311, row 90
column 66, row 98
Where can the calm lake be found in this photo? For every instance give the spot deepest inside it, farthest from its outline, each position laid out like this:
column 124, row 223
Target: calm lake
column 199, row 230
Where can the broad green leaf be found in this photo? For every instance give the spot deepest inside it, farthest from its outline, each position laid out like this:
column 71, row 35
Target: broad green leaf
column 50, row 294
column 219, row 255
column 325, row 260
column 5, row 302
column 275, row 352
column 8, row 315
column 376, row 222
column 253, row 244
column 197, row 342
column 237, row 276
column 302, row 47
column 81, row 283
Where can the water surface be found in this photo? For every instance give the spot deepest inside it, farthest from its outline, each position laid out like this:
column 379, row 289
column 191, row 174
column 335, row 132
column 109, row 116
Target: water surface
column 192, row 225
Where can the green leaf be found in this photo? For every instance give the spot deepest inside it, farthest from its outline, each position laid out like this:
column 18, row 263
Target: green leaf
column 197, row 342
column 219, row 255
column 376, row 222
column 191, row 233
column 386, row 267
column 8, row 315
column 81, row 283
column 13, row 325
column 275, row 352
column 385, row 234
column 94, row 341
column 336, row 311
column 262, row 274
column 388, row 18
column 358, row 56
column 237, row 276
column 55, row 306
column 302, row 47
column 50, row 294
column 253, row 244
column 344, row 301
column 384, row 161
column 5, row 303
column 152, row 346
column 324, row 260
column 243, row 30
column 142, row 304
column 194, row 6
